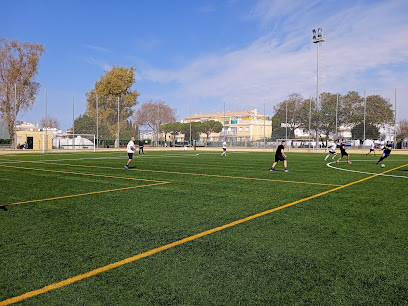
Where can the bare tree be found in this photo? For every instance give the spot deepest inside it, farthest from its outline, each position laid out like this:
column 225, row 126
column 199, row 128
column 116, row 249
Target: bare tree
column 50, row 122
column 154, row 113
column 402, row 130
column 18, row 66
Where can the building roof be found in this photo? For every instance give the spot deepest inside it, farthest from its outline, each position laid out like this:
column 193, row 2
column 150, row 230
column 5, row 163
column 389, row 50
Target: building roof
column 253, row 112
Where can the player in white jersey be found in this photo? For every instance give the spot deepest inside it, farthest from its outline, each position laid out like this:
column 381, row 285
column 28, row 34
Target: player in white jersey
column 371, row 148
column 224, row 149
column 332, row 150
column 130, row 150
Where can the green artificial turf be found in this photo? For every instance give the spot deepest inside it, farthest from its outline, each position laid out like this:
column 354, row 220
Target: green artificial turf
column 345, row 246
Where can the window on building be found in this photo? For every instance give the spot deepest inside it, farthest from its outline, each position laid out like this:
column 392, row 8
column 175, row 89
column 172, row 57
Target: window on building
column 240, row 128
column 247, row 129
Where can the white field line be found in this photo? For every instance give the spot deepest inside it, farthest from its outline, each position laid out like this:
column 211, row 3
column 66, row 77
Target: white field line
column 123, row 156
column 362, row 172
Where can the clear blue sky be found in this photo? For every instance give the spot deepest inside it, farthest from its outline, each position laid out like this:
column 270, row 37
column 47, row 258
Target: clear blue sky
column 200, row 54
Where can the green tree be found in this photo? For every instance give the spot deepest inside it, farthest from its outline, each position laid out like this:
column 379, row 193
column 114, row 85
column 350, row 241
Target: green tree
column 18, row 66
column 165, row 128
column 378, row 110
column 174, row 128
column 85, row 124
column 351, row 109
column 297, row 109
column 196, row 130
column 371, row 131
column 326, row 116
column 113, row 87
column 127, row 134
column 211, row 126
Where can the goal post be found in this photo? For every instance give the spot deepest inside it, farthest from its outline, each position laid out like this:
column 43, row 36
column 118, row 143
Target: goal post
column 299, row 143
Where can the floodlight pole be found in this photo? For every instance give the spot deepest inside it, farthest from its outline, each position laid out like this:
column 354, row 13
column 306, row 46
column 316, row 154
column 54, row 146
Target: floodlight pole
column 395, row 119
column 73, row 120
column 365, row 111
column 337, row 106
column 97, row 122
column 46, row 119
column 264, row 126
column 225, row 132
column 310, row 118
column 15, row 113
column 286, row 129
column 118, row 125
column 190, row 138
column 318, row 38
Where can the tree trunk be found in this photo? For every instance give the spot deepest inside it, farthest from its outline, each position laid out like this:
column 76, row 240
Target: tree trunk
column 12, row 132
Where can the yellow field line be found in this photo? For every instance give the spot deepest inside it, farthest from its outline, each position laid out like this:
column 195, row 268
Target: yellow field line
column 171, row 245
column 155, row 183
column 83, row 194
column 201, row 174
column 79, row 173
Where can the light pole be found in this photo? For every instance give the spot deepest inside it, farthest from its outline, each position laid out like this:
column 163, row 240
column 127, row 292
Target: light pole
column 365, row 112
column 118, row 145
column 73, row 120
column 264, row 127
column 97, row 123
column 318, row 38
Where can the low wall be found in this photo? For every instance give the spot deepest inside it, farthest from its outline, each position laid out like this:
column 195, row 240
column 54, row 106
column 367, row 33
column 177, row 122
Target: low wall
column 229, row 149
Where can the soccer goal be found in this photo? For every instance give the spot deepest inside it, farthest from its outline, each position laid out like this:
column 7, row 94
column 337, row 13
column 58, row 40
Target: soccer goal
column 299, row 143
column 68, row 142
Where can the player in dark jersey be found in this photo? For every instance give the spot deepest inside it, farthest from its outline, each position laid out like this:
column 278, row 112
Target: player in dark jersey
column 343, row 152
column 280, row 156
column 387, row 151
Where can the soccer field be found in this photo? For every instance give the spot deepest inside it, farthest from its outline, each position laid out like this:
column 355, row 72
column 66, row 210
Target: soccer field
column 187, row 229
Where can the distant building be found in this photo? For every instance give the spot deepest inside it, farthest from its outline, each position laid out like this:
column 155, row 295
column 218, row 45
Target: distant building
column 247, row 125
column 146, row 134
column 27, row 126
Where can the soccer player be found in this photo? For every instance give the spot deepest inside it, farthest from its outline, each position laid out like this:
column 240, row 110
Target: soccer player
column 280, row 156
column 387, row 151
column 141, row 145
column 224, row 149
column 130, row 150
column 343, row 152
column 371, row 149
column 332, row 150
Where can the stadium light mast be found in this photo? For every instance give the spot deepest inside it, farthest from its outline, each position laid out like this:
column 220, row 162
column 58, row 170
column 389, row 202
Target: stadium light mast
column 118, row 136
column 73, row 120
column 97, row 123
column 395, row 118
column 318, row 38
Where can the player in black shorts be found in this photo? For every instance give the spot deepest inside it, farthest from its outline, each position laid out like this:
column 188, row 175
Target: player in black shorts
column 343, row 152
column 280, row 156
column 387, row 151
